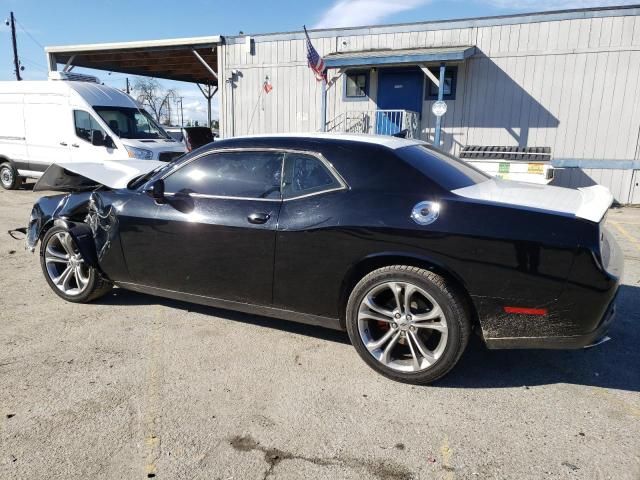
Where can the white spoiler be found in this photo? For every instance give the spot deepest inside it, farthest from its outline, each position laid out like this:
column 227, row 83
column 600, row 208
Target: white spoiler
column 596, row 201
column 590, row 203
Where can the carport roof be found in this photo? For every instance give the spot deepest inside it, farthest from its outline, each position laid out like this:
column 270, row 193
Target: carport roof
column 398, row 57
column 192, row 60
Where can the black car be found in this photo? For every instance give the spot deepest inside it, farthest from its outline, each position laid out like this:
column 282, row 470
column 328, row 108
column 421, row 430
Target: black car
column 192, row 137
column 402, row 246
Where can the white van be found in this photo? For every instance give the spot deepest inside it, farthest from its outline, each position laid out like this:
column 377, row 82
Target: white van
column 42, row 122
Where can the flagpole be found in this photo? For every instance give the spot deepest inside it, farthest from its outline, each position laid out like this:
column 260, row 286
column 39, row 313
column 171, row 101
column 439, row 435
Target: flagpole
column 323, row 107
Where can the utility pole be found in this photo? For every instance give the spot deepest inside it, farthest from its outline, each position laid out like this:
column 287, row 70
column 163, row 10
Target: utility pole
column 16, row 62
column 179, row 99
column 127, row 80
column 209, row 91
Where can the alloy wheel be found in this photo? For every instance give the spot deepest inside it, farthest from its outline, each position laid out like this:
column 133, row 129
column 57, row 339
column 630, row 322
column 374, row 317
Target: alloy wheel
column 65, row 266
column 402, row 326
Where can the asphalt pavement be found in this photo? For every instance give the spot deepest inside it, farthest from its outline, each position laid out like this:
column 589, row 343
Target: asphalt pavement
column 135, row 386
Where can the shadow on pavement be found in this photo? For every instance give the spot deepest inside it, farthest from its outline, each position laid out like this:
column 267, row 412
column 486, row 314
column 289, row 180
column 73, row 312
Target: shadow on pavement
column 126, row 297
column 614, row 364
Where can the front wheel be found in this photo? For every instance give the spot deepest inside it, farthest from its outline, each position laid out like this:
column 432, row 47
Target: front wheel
column 408, row 323
column 66, row 271
column 9, row 178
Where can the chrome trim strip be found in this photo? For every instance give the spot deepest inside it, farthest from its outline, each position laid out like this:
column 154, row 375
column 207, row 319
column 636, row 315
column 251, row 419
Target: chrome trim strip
column 222, row 197
column 336, row 175
column 273, row 312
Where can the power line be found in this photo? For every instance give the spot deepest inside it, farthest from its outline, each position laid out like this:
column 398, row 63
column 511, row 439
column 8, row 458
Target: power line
column 34, row 64
column 29, row 34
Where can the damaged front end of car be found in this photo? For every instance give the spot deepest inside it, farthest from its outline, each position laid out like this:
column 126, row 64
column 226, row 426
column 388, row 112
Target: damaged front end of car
column 88, row 210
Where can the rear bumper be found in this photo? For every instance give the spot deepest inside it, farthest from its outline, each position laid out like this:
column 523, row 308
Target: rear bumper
column 558, row 342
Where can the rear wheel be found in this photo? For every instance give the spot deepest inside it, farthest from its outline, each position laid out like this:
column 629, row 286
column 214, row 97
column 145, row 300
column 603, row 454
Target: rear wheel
column 66, row 271
column 9, row 178
column 407, row 323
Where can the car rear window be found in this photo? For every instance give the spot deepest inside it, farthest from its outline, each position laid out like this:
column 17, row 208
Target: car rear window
column 446, row 170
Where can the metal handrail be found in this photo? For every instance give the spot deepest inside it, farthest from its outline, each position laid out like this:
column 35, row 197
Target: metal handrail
column 381, row 122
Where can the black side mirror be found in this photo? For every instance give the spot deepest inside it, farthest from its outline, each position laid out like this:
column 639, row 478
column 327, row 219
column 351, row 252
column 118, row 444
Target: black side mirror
column 97, row 138
column 108, row 142
column 156, row 191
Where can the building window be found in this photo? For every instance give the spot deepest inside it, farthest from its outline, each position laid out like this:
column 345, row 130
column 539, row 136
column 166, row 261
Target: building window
column 356, row 85
column 450, row 80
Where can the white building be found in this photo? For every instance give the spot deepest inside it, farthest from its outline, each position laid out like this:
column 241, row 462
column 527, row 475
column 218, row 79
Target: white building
column 562, row 84
column 568, row 81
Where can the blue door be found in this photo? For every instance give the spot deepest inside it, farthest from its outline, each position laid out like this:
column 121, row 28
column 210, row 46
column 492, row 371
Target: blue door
column 397, row 90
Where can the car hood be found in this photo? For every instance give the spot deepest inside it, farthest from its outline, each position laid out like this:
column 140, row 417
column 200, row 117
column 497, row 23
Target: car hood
column 74, row 176
column 590, row 203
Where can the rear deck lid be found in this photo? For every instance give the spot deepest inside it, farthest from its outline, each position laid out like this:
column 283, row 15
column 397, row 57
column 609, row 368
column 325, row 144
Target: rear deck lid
column 590, row 203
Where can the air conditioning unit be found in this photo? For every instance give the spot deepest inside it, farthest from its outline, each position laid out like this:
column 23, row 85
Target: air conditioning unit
column 76, row 77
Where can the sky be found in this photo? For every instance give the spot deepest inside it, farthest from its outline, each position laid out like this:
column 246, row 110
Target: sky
column 66, row 22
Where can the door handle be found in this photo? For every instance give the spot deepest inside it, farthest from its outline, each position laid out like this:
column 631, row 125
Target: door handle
column 75, row 145
column 64, row 144
column 258, row 218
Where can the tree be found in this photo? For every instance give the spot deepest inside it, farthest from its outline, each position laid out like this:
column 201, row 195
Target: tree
column 154, row 97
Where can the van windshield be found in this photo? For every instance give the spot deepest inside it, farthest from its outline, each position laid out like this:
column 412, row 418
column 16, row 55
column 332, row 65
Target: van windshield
column 126, row 122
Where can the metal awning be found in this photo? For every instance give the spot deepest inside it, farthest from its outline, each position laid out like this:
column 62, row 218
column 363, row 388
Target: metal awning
column 411, row 56
column 192, row 60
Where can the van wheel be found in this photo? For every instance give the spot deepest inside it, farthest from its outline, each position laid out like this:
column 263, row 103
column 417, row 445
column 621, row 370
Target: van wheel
column 9, row 178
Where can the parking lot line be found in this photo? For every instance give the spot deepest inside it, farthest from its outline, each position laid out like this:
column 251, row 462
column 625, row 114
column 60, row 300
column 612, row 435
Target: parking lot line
column 624, row 232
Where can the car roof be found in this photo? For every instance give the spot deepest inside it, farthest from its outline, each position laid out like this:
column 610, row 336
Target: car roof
column 383, row 140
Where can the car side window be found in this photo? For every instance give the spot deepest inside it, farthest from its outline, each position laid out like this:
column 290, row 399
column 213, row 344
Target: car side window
column 251, row 174
column 305, row 174
column 85, row 124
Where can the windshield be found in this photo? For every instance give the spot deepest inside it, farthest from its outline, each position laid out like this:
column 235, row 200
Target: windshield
column 134, row 123
column 444, row 169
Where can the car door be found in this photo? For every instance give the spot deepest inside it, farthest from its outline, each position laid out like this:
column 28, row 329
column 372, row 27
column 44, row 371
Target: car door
column 48, row 130
column 82, row 150
column 215, row 235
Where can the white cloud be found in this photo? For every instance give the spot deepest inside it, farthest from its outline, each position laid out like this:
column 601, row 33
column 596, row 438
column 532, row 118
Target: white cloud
column 553, row 4
column 351, row 13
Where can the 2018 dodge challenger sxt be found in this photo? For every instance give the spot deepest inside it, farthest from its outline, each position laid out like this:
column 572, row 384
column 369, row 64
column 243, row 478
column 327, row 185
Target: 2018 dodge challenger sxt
column 406, row 248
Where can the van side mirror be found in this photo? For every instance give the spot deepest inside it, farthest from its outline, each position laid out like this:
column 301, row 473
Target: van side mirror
column 97, row 138
column 156, row 191
column 108, row 142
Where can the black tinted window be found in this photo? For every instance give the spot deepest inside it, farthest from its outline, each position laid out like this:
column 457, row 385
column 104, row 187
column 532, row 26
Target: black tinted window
column 446, row 170
column 304, row 174
column 85, row 125
column 230, row 174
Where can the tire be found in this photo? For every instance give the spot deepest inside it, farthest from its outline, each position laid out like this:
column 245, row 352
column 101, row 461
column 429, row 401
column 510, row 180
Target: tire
column 437, row 323
column 82, row 283
column 9, row 178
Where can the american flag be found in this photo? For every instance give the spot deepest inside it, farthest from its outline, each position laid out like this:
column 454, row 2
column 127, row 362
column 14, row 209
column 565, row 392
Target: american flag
column 316, row 62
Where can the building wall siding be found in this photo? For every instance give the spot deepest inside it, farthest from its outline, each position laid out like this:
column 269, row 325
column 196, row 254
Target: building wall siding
column 569, row 84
